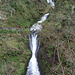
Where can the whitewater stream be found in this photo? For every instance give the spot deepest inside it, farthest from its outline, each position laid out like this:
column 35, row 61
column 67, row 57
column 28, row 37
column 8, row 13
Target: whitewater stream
column 33, row 68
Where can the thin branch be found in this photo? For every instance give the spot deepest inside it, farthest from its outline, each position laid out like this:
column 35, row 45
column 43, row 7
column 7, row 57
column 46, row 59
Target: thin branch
column 59, row 56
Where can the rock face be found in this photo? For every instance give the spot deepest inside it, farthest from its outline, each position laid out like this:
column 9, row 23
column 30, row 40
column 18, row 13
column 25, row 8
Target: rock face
column 2, row 15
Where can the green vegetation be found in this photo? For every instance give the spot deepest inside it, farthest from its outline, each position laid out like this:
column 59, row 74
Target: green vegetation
column 14, row 48
column 57, row 53
column 21, row 12
column 14, row 52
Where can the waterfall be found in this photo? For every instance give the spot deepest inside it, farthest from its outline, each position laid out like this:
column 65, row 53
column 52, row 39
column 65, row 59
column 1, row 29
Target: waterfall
column 51, row 3
column 33, row 68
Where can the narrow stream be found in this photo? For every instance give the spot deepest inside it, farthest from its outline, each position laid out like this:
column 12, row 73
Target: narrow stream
column 33, row 68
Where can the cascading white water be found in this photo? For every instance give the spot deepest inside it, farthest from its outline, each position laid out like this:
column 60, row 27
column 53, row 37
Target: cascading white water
column 33, row 68
column 33, row 65
column 51, row 3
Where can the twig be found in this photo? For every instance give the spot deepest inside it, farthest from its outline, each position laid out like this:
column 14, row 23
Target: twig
column 59, row 56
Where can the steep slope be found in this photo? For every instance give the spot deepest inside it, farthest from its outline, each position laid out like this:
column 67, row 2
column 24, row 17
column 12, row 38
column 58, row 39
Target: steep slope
column 57, row 52
column 14, row 48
